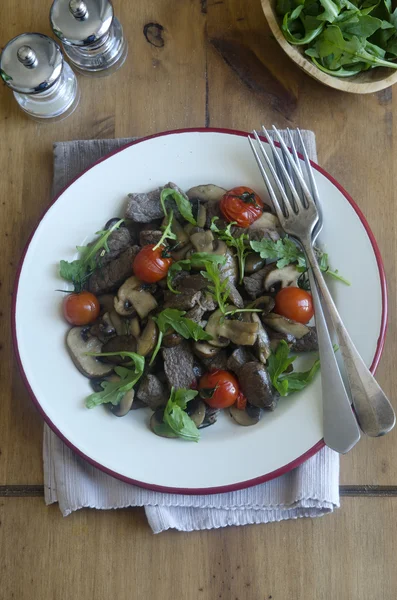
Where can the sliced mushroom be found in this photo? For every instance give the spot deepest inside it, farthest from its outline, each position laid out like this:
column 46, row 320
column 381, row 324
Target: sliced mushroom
column 182, row 238
column 266, row 221
column 148, row 339
column 96, row 384
column 207, row 193
column 203, row 241
column 262, row 344
column 201, row 215
column 276, row 337
column 104, row 328
column 253, row 263
column 125, row 404
column 180, row 253
column 286, row 326
column 121, row 325
column 286, row 277
column 121, row 343
column 224, row 330
column 134, row 327
column 172, row 339
column 196, row 411
column 204, row 350
column 159, row 427
column 211, row 415
column 266, row 303
column 250, row 416
column 79, row 344
column 133, row 298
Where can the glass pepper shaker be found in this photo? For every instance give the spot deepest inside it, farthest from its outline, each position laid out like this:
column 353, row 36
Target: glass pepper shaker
column 44, row 85
column 91, row 35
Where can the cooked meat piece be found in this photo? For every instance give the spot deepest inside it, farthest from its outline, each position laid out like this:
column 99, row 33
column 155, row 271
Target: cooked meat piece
column 256, row 386
column 219, row 361
column 118, row 241
column 196, row 313
column 111, row 276
column 144, row 207
column 239, row 358
column 178, row 365
column 149, row 237
column 152, row 392
column 191, row 282
column 255, row 283
column 308, row 343
column 213, row 210
column 184, row 301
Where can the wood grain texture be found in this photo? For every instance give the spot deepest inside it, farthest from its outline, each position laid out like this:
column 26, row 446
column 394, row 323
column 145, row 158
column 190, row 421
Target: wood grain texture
column 355, row 143
column 366, row 82
column 99, row 555
column 219, row 65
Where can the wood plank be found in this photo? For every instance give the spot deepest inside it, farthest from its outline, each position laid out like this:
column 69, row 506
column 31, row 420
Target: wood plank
column 252, row 81
column 101, row 555
column 158, row 88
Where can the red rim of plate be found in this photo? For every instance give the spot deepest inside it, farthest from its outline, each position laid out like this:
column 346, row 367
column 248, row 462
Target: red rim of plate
column 243, row 484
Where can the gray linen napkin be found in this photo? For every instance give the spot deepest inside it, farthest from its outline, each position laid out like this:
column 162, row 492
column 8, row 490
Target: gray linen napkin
column 311, row 490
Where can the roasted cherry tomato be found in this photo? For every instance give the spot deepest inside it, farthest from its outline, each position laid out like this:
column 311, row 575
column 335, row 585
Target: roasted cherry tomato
column 241, row 204
column 219, row 389
column 152, row 265
column 294, row 303
column 81, row 309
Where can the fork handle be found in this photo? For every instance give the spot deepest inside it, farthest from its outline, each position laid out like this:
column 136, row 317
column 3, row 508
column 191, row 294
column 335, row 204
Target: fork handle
column 341, row 431
column 373, row 409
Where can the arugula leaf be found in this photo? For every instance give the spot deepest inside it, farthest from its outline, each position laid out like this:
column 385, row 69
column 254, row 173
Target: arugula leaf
column 183, row 204
column 174, row 319
column 113, row 391
column 285, row 251
column 79, row 270
column 218, row 289
column 167, row 231
column 241, row 243
column 196, row 261
column 287, row 383
column 175, row 416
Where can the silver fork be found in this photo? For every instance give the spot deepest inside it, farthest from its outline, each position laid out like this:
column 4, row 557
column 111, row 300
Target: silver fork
column 300, row 218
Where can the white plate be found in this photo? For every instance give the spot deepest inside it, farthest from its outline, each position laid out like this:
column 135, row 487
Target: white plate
column 227, row 456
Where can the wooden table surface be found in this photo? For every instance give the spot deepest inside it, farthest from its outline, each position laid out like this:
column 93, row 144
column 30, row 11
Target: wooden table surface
column 193, row 63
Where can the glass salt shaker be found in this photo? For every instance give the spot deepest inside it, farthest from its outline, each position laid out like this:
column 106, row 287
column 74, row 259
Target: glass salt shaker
column 91, row 35
column 44, row 85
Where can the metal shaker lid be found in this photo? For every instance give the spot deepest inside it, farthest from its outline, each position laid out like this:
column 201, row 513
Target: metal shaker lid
column 31, row 63
column 81, row 22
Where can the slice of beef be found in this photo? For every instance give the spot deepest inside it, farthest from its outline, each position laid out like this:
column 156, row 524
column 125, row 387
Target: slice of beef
column 118, row 241
column 149, row 237
column 256, row 386
column 276, row 337
column 308, row 343
column 191, row 282
column 254, row 284
column 152, row 392
column 144, row 207
column 178, row 365
column 219, row 361
column 111, row 276
column 184, row 301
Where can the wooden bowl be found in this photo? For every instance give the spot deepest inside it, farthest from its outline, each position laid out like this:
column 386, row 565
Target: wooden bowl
column 367, row 82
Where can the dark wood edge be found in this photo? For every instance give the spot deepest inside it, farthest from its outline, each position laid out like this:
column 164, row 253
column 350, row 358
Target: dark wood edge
column 33, row 491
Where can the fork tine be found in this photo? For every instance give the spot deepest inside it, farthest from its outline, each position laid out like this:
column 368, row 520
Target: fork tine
column 285, row 203
column 294, row 152
column 309, row 169
column 306, row 197
column 288, row 184
column 280, row 212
